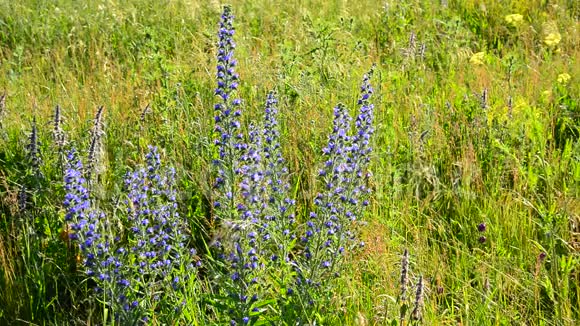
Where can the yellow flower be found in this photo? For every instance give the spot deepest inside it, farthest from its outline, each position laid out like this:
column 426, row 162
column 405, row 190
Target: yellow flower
column 546, row 95
column 552, row 39
column 514, row 19
column 564, row 78
column 477, row 59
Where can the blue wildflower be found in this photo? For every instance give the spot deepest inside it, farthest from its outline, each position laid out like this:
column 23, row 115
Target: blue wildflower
column 343, row 175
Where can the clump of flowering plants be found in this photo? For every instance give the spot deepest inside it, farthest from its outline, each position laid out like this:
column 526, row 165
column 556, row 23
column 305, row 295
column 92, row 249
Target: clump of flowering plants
column 331, row 227
column 264, row 268
column 141, row 272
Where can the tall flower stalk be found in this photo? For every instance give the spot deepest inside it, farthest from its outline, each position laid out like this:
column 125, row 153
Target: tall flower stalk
column 2, row 107
column 58, row 134
column 33, row 150
column 332, row 226
column 229, row 140
column 91, row 231
column 326, row 231
column 31, row 183
column 357, row 190
column 237, row 202
column 94, row 156
column 279, row 213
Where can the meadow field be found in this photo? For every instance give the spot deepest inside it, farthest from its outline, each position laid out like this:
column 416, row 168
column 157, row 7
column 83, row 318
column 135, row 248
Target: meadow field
column 296, row 162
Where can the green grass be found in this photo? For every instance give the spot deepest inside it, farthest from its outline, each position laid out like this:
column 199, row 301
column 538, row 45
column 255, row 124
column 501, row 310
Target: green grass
column 442, row 163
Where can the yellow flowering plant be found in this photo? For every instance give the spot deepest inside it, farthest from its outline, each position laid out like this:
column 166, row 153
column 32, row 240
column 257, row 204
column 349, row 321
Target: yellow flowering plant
column 477, row 58
column 552, row 36
column 552, row 39
column 564, row 78
column 514, row 20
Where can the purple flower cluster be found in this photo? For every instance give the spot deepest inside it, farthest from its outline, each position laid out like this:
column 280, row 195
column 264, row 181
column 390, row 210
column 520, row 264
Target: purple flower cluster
column 90, row 227
column 252, row 202
column 331, row 227
column 76, row 200
column 156, row 239
column 325, row 230
column 361, row 148
column 251, row 187
column 131, row 268
column 229, row 139
column 279, row 214
column 152, row 214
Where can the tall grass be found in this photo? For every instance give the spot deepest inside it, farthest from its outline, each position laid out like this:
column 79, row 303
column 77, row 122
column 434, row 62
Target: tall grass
column 475, row 164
